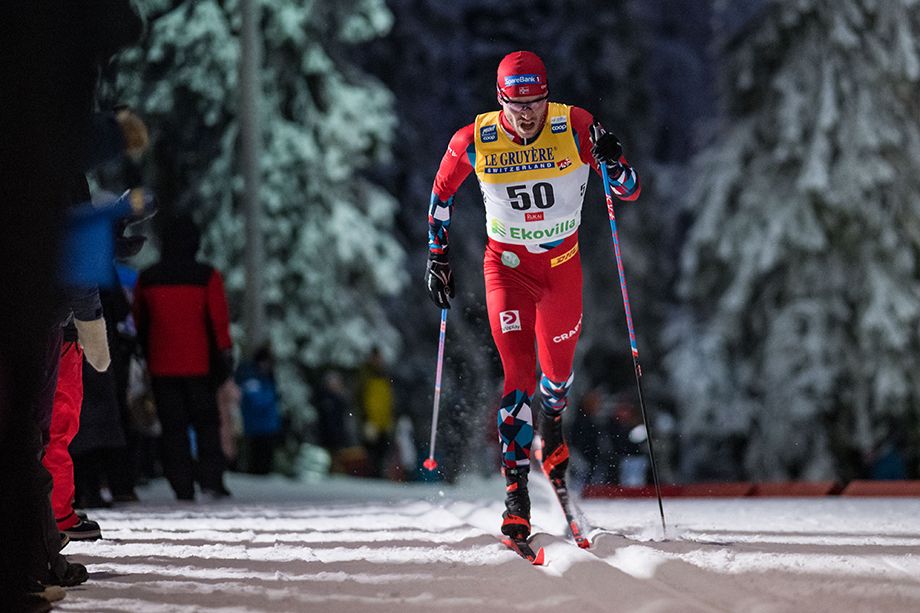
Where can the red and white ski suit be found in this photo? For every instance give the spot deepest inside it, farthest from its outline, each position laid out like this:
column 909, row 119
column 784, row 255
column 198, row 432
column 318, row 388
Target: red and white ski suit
column 533, row 193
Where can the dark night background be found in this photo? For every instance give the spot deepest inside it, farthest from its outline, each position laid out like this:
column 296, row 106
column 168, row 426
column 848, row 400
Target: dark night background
column 778, row 336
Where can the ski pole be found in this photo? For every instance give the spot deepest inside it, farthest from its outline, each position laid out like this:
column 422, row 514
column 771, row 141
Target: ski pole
column 431, row 463
column 632, row 338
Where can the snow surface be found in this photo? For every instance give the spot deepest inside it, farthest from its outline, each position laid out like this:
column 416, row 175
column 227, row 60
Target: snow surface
column 344, row 545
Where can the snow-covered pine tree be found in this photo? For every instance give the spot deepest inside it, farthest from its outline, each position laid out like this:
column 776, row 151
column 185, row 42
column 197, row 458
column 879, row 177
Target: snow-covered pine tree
column 330, row 253
column 800, row 342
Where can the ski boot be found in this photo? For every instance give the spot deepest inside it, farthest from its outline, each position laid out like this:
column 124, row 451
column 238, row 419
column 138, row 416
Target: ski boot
column 555, row 452
column 516, row 518
column 555, row 462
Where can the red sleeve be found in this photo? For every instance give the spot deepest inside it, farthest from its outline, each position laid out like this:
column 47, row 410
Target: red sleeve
column 625, row 185
column 218, row 312
column 456, row 165
column 581, row 128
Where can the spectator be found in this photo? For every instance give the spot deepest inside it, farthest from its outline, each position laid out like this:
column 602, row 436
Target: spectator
column 407, row 461
column 338, row 432
column 121, row 467
column 145, row 430
column 375, row 398
column 628, row 434
column 183, row 325
column 87, row 337
column 259, row 407
column 100, row 449
column 886, row 461
column 586, row 437
column 83, row 336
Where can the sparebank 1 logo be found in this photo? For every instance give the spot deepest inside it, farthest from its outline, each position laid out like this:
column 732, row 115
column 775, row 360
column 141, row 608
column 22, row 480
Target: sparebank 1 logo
column 522, row 79
column 498, row 228
column 510, row 320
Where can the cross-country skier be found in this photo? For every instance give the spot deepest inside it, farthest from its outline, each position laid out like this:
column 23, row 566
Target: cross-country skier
column 532, row 159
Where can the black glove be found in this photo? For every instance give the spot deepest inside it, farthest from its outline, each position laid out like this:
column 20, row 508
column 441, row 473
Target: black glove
column 607, row 148
column 222, row 365
column 143, row 206
column 439, row 280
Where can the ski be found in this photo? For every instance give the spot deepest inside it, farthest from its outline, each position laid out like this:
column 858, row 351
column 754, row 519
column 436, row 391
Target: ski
column 522, row 548
column 562, row 495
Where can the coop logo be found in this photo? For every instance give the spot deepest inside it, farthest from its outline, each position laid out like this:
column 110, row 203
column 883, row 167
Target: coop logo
column 533, row 216
column 535, row 158
column 488, row 134
column 522, row 79
column 568, row 335
column 511, row 320
column 558, row 124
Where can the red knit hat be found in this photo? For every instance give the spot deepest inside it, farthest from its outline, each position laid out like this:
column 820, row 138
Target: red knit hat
column 521, row 73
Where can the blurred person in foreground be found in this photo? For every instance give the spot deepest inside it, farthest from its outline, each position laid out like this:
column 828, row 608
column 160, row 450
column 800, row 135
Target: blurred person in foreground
column 532, row 159
column 183, row 326
column 51, row 60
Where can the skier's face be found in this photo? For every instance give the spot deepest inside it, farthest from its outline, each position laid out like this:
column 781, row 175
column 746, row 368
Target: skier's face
column 525, row 114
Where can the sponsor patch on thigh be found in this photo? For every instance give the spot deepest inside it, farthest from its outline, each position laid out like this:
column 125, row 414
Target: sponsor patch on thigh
column 510, row 320
column 565, row 257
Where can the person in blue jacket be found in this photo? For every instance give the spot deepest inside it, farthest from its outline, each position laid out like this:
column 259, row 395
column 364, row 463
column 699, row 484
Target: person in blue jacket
column 259, row 407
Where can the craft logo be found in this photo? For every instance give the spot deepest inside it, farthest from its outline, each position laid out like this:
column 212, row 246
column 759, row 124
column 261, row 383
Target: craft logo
column 498, row 228
column 511, row 320
column 533, row 216
column 558, row 124
column 535, row 158
column 563, row 164
column 488, row 134
column 570, row 334
column 522, row 79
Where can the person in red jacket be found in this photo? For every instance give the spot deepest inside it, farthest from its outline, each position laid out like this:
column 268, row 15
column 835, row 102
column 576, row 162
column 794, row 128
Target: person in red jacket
column 183, row 325
column 532, row 159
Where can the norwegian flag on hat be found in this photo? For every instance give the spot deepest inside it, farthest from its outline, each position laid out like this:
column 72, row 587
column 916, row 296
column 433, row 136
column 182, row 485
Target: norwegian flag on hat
column 521, row 74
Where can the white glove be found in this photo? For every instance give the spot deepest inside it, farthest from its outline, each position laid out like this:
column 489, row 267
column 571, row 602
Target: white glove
column 91, row 336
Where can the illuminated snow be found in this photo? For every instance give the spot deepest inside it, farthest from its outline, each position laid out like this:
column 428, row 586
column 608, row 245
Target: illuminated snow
column 350, row 545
